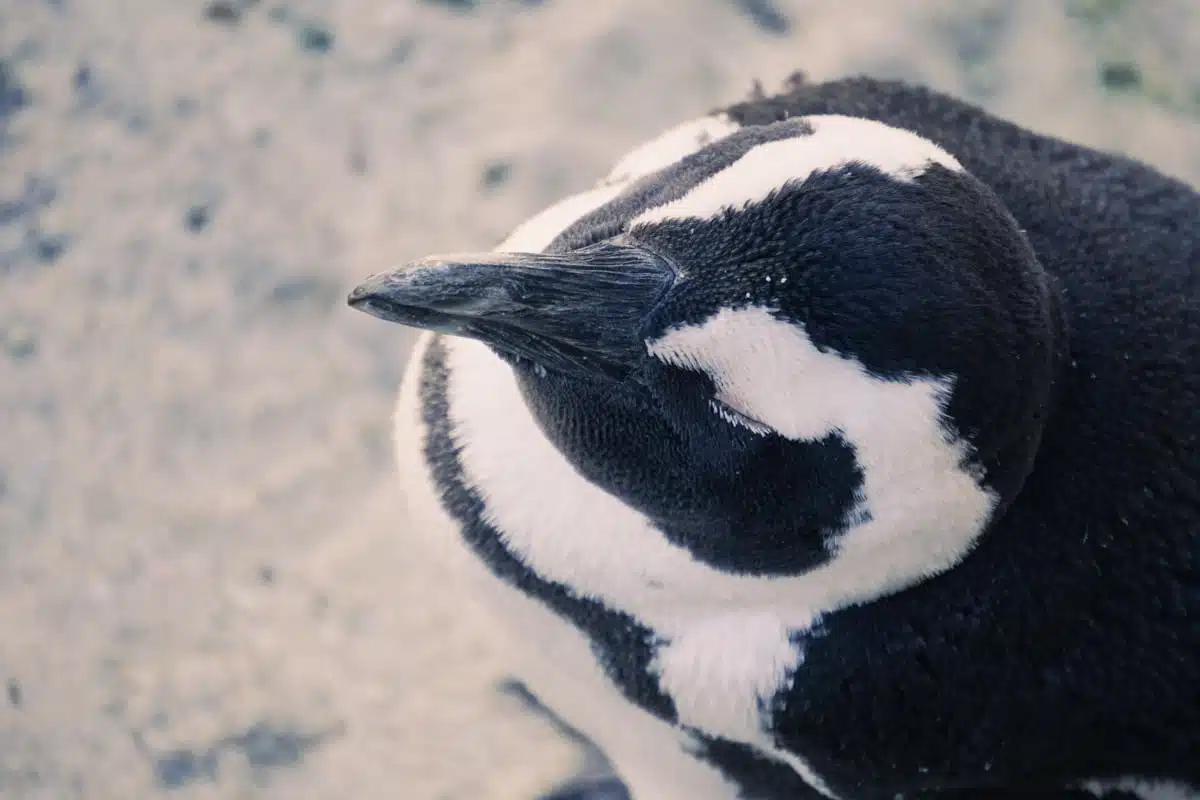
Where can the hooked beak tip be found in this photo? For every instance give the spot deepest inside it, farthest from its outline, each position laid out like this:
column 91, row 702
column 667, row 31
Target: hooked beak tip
column 364, row 296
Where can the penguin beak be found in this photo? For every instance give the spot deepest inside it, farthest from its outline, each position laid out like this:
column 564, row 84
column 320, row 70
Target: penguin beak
column 579, row 312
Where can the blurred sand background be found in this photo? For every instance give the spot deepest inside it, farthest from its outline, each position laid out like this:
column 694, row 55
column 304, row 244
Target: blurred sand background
column 205, row 587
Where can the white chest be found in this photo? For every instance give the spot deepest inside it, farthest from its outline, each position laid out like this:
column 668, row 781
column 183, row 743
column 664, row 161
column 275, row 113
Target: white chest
column 550, row 655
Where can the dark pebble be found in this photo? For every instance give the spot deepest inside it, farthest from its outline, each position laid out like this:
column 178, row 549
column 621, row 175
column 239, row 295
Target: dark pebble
column 15, row 695
column 266, row 747
column 197, row 218
column 401, row 50
column 266, row 575
column 496, row 174
column 23, row 349
column 765, row 15
column 315, row 38
column 178, row 768
column 13, row 96
column 1120, row 76
column 49, row 247
column 82, row 79
column 223, row 12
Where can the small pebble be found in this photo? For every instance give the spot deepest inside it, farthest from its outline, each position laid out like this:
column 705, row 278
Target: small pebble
column 314, row 38
column 82, row 79
column 49, row 247
column 178, row 768
column 15, row 695
column 1120, row 76
column 13, row 96
column 197, row 218
column 224, row 12
column 765, row 15
column 496, row 174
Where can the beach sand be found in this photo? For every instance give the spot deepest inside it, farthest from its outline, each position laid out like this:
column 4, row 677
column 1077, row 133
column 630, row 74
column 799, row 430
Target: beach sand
column 206, row 590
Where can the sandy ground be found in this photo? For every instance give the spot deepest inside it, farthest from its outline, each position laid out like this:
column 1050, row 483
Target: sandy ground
column 205, row 587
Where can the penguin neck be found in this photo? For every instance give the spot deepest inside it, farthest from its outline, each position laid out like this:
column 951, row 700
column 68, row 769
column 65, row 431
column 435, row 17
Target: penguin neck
column 567, row 530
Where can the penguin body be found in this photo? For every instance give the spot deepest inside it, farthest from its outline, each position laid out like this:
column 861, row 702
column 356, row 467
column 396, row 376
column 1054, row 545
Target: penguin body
column 840, row 443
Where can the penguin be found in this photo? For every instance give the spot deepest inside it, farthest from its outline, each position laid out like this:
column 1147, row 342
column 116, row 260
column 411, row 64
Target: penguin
column 840, row 443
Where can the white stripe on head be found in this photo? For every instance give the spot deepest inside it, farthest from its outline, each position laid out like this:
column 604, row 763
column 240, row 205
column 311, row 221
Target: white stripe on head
column 671, row 146
column 536, row 233
column 835, row 141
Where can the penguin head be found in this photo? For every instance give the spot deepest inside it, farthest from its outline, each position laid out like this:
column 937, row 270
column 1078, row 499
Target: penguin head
column 811, row 340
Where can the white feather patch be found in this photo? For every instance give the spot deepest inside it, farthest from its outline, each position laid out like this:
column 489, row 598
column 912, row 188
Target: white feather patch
column 722, row 672
column 925, row 509
column 739, row 661
column 835, row 141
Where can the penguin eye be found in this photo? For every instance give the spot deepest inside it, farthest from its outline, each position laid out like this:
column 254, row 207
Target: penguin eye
column 737, row 418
